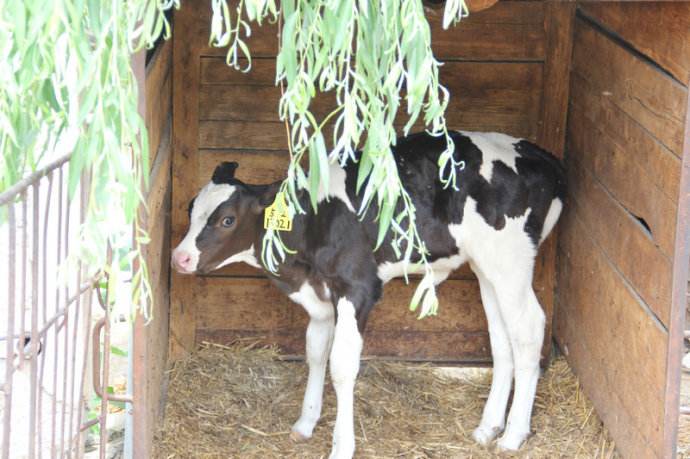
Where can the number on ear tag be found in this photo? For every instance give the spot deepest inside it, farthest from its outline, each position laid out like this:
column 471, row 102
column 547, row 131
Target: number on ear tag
column 276, row 216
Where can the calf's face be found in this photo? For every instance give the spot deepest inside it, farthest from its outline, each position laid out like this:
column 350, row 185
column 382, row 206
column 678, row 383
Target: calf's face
column 224, row 222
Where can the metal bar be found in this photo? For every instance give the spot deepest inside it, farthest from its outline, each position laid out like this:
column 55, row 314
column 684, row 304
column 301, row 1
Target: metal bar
column 82, row 401
column 44, row 300
column 104, row 383
column 98, row 383
column 65, row 353
column 74, row 363
column 58, row 258
column 35, row 203
column 9, row 194
column 24, row 274
column 9, row 369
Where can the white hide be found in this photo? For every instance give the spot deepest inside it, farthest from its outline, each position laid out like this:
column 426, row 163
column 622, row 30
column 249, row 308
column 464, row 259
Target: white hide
column 494, row 147
column 336, row 187
column 319, row 340
column 551, row 218
column 208, row 199
column 442, row 268
column 345, row 354
column 246, row 256
column 505, row 260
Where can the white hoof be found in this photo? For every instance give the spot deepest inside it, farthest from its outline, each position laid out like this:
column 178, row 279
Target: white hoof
column 302, row 430
column 511, row 441
column 484, row 435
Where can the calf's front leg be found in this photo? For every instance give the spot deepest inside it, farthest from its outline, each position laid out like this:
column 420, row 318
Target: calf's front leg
column 319, row 340
column 345, row 355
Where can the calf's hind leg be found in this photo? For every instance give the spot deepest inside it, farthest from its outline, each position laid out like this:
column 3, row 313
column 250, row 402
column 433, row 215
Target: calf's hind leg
column 493, row 417
column 525, row 320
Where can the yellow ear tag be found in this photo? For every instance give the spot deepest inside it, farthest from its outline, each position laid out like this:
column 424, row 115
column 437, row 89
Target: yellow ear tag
column 277, row 216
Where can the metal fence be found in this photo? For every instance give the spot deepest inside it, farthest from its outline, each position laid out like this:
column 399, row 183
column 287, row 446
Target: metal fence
column 50, row 323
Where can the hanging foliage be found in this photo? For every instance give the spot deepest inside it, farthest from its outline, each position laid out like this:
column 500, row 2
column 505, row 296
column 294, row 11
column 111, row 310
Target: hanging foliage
column 67, row 86
column 368, row 54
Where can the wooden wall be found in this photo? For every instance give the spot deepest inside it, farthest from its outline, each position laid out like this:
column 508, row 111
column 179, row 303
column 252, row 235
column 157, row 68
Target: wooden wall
column 506, row 68
column 618, row 301
column 150, row 344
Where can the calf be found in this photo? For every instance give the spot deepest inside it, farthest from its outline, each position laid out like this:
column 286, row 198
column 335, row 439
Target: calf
column 509, row 196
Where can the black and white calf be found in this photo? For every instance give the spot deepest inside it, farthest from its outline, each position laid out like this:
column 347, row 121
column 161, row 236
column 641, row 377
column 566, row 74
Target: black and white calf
column 509, row 198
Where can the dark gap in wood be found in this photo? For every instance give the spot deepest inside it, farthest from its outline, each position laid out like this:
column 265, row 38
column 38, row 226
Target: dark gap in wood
column 621, row 276
column 618, row 40
column 643, row 222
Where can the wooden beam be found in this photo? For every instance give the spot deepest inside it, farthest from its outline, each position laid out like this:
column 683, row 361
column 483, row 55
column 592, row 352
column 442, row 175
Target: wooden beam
column 678, row 299
column 186, row 72
column 558, row 23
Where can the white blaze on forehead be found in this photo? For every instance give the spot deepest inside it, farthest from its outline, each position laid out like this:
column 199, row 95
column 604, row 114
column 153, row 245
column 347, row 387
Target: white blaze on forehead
column 209, row 198
column 494, row 146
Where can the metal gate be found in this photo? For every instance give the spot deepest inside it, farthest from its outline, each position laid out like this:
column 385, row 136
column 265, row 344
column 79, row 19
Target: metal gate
column 54, row 394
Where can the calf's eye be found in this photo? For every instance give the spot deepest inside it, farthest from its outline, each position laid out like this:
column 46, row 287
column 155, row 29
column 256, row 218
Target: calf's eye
column 228, row 221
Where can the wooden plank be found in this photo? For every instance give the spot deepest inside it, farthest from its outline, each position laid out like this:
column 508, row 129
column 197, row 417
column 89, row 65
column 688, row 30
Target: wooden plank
column 614, row 345
column 254, row 307
column 676, row 345
column 661, row 166
column 158, row 96
column 659, row 30
column 214, row 70
column 646, row 94
column 559, row 31
column 558, row 23
column 448, row 347
column 255, row 304
column 624, row 240
column 622, row 172
column 186, row 72
column 488, row 96
column 507, row 31
column 150, row 341
column 255, row 166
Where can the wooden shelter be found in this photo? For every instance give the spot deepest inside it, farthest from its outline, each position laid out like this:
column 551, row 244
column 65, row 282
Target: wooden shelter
column 602, row 84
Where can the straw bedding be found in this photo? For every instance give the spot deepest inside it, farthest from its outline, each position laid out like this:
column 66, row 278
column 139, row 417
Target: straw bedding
column 240, row 401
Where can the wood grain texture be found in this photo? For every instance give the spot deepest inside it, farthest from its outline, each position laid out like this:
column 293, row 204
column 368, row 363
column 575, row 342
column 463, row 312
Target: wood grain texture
column 659, row 30
column 506, row 31
column 505, row 97
column 676, row 344
column 150, row 341
column 186, row 74
column 256, row 306
column 626, row 172
column 612, row 342
column 623, row 239
column 558, row 23
column 644, row 93
column 158, row 96
column 661, row 166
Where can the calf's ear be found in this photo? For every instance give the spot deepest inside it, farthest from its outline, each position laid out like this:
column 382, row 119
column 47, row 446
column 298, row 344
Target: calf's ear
column 224, row 172
column 265, row 195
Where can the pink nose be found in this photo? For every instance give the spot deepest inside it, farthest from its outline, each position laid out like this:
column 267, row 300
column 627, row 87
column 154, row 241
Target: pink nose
column 181, row 260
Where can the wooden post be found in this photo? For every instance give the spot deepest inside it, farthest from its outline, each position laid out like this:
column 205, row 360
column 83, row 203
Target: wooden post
column 558, row 23
column 678, row 298
column 186, row 70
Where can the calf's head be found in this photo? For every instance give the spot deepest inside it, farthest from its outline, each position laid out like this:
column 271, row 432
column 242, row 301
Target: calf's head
column 225, row 220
